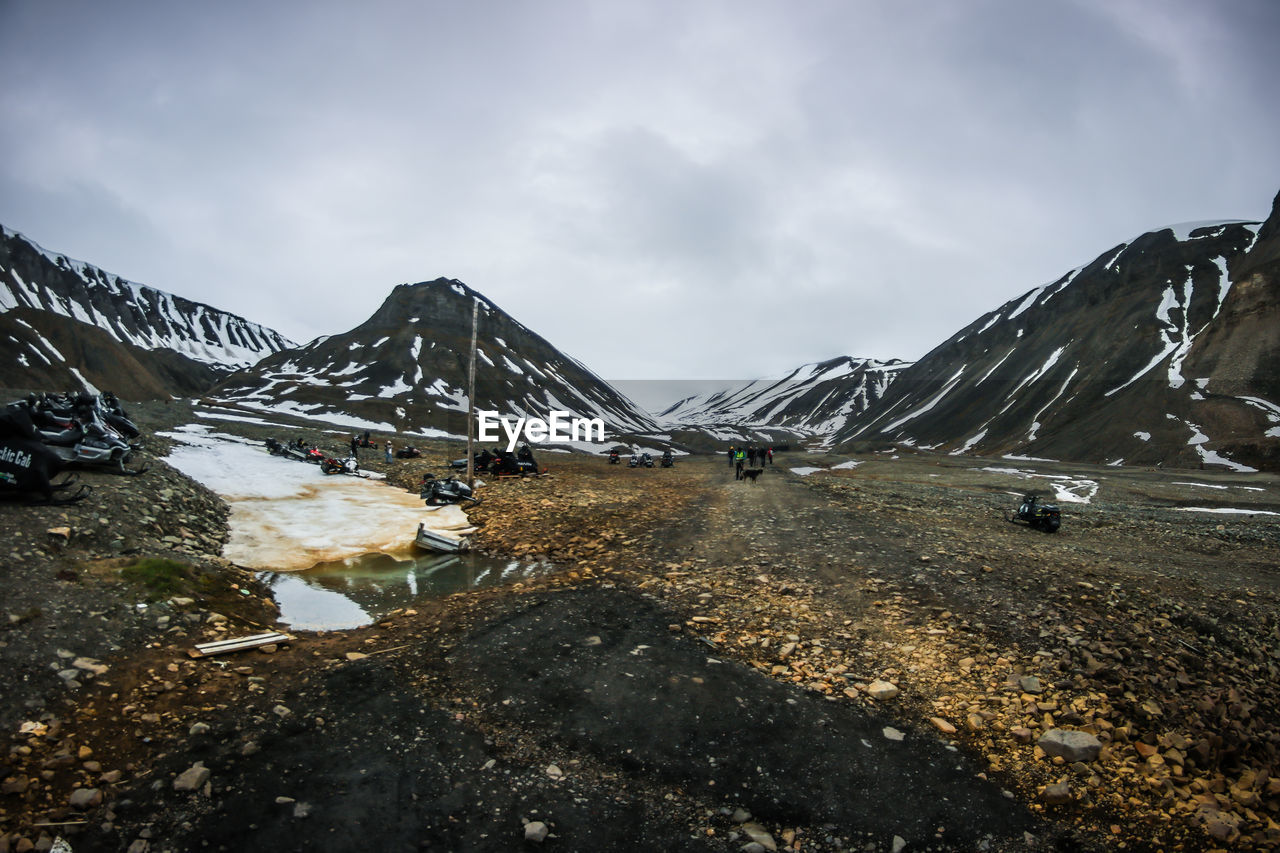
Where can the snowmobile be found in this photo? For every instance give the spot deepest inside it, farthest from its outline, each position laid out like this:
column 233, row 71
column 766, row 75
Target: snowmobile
column 667, row 459
column 447, row 491
column 79, row 435
column 334, row 465
column 634, row 461
column 27, row 466
column 480, row 462
column 116, row 417
column 294, row 450
column 409, row 452
column 1038, row 516
column 614, row 459
column 508, row 464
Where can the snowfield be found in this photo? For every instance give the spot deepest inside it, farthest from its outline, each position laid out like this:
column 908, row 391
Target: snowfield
column 288, row 516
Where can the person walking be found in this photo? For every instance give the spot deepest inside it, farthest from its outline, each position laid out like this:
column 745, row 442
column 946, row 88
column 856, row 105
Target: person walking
column 739, row 459
column 355, row 447
column 731, row 449
column 389, row 453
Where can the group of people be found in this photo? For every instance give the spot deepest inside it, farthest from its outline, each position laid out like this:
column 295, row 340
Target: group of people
column 359, row 441
column 749, row 457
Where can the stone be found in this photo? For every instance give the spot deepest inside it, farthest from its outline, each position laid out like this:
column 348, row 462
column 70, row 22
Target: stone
column 758, row 834
column 536, row 831
column 1030, row 684
column 899, row 844
column 942, row 725
column 881, row 690
column 1070, row 744
column 15, row 785
column 85, row 798
column 90, row 665
column 891, row 733
column 1056, row 794
column 193, row 778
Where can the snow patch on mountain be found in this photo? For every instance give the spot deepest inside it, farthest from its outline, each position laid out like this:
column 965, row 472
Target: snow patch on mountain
column 134, row 313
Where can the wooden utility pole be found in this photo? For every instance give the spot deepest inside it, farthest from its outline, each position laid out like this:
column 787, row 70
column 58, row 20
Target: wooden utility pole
column 471, row 397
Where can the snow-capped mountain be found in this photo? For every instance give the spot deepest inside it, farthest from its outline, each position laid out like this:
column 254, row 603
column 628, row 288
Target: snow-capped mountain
column 406, row 368
column 1163, row 350
column 814, row 399
column 52, row 306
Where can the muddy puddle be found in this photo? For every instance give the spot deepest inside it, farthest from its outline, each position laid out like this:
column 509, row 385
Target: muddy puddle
column 358, row 591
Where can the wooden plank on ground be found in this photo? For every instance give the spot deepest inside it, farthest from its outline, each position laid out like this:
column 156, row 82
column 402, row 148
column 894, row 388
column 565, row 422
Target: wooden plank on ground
column 238, row 644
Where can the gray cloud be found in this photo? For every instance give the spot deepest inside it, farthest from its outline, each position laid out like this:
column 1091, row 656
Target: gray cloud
column 664, row 190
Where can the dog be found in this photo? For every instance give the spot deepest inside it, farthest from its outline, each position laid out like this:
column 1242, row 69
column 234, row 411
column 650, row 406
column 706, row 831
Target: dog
column 751, row 473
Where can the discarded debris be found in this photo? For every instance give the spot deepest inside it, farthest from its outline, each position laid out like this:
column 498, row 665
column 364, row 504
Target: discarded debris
column 238, row 644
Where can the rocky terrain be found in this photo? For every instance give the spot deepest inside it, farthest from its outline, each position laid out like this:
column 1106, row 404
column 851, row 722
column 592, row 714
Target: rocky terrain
column 866, row 658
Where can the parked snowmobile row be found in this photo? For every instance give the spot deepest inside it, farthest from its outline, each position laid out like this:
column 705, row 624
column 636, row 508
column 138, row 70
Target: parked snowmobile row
column 43, row 433
column 300, row 451
column 643, row 459
column 501, row 463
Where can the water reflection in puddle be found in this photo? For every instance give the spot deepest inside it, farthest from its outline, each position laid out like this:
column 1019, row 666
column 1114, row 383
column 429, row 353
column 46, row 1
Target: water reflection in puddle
column 360, row 590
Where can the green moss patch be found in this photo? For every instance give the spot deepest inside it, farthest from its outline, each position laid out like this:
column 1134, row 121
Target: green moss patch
column 160, row 577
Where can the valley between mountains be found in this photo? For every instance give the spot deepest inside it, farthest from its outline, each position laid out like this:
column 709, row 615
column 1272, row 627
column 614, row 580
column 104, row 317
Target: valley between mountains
column 864, row 658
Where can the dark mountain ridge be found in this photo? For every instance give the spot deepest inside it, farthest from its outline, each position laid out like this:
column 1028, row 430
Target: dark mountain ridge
column 1160, row 351
column 68, row 324
column 406, row 369
column 814, row 400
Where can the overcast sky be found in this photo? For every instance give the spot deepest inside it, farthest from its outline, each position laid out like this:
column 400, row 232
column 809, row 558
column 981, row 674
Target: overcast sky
column 662, row 190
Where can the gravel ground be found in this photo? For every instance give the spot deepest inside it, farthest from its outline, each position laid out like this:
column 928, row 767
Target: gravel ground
column 867, row 658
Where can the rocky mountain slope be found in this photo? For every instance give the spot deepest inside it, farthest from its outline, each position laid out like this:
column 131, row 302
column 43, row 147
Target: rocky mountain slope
column 814, row 399
column 68, row 324
column 1163, row 350
column 406, row 368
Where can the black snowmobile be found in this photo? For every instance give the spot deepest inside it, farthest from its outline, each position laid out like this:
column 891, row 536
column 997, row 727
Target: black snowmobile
column 667, row 459
column 27, row 466
column 1038, row 516
column 481, row 462
column 447, row 491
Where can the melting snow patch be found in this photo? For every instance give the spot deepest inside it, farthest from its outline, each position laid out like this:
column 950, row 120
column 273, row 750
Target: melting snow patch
column 804, row 472
column 287, row 515
column 1065, row 489
column 852, row 463
column 1140, row 434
